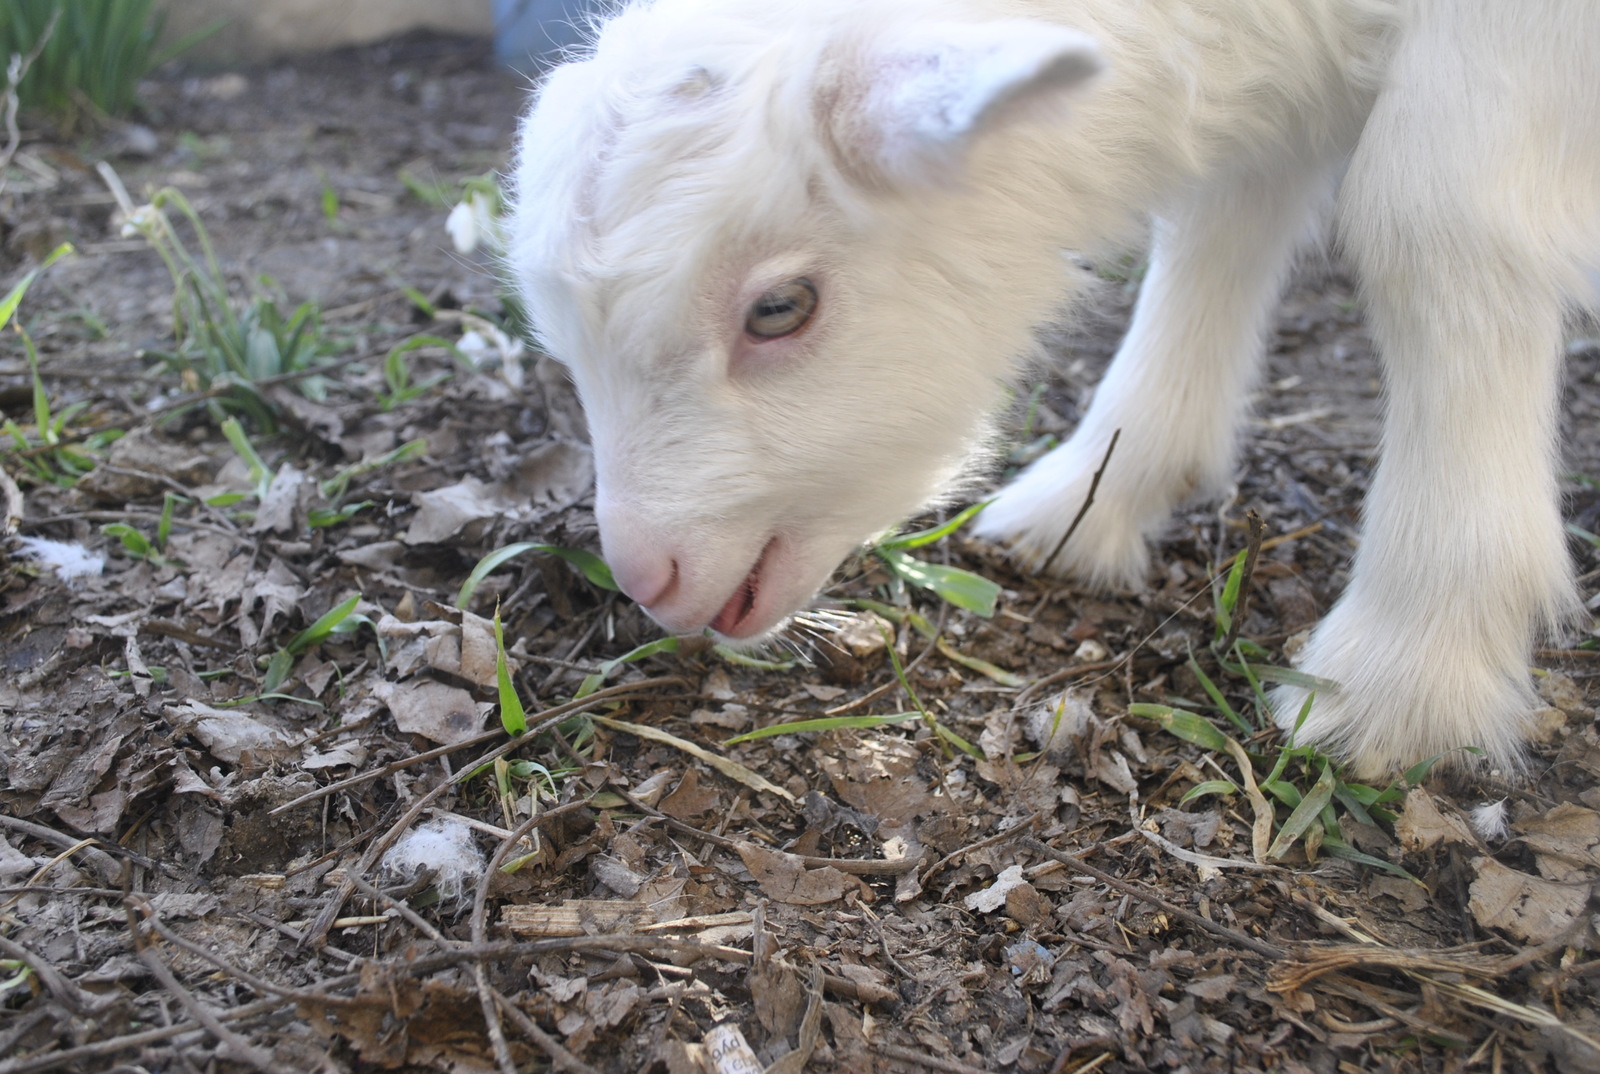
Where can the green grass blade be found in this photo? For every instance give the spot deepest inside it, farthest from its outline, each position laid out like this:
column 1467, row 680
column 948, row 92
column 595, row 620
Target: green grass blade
column 593, row 567
column 1218, row 700
column 649, row 648
column 512, row 715
column 962, row 588
column 136, row 543
column 260, row 476
column 320, row 630
column 745, row 660
column 1338, row 848
column 1210, row 786
column 13, row 299
column 908, row 541
column 1304, row 814
column 278, row 669
column 982, row 667
column 1189, row 726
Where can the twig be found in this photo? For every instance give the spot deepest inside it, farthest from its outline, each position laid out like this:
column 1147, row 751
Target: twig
column 233, row 1045
column 548, row 718
column 1389, row 1010
column 1144, row 894
column 258, row 984
column 399, row 906
column 123, row 516
column 77, row 436
column 1022, row 827
column 583, row 640
column 103, row 863
column 559, row 1056
column 480, row 931
column 853, row 866
column 79, row 1001
column 176, row 487
column 925, row 1059
column 73, row 1057
column 1094, row 485
column 1273, row 542
column 656, row 945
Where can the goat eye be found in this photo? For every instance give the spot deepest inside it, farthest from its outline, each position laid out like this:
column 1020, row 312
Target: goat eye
column 782, row 311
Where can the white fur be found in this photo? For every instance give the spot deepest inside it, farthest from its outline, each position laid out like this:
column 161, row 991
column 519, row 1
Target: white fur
column 925, row 162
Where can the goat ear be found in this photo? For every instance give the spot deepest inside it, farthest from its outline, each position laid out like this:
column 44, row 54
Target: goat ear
column 909, row 110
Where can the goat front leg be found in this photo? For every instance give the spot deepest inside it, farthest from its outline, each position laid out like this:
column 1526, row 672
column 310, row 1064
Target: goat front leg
column 1177, row 388
column 1457, row 222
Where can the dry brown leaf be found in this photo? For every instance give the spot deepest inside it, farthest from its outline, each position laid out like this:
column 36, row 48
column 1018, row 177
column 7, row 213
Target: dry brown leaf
column 435, row 710
column 1565, row 842
column 233, row 736
column 785, row 878
column 1525, row 906
column 1422, row 824
column 690, row 798
column 775, row 989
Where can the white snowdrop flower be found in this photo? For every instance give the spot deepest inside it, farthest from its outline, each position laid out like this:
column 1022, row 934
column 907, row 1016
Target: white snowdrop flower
column 472, row 344
column 486, row 345
column 471, row 222
column 139, row 222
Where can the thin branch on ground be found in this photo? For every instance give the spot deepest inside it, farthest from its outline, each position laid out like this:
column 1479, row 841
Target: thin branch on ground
column 1144, row 894
column 233, row 1045
column 548, row 718
column 1088, row 501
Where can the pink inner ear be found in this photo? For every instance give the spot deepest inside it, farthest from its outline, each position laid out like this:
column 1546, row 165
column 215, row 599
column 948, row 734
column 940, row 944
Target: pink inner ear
column 906, row 114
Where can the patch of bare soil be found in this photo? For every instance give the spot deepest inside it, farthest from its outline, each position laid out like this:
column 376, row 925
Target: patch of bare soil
column 365, row 872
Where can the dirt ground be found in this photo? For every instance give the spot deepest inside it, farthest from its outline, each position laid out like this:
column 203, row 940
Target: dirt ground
column 364, row 872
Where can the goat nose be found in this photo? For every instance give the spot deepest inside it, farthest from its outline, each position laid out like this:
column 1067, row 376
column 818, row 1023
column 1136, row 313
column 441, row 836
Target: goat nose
column 641, row 562
column 647, row 577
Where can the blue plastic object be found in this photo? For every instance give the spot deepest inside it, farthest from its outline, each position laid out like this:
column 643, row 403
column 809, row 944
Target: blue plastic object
column 530, row 35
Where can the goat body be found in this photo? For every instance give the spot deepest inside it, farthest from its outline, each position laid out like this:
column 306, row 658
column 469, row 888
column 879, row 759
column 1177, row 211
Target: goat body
column 793, row 253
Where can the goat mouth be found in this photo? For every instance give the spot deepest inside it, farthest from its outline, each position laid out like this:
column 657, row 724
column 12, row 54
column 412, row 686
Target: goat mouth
column 742, row 605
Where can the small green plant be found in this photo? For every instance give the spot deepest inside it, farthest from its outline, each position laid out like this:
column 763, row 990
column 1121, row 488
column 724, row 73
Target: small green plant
column 330, row 200
column 1030, row 444
column 136, row 544
column 513, row 717
column 947, row 738
column 955, row 586
column 221, row 345
column 1300, row 780
column 337, row 620
column 593, row 567
column 597, row 679
column 18, row 975
column 333, row 489
column 87, row 56
column 44, row 451
column 397, row 366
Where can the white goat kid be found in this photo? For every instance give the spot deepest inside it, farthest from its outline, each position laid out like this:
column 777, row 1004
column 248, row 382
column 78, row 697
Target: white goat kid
column 792, row 252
